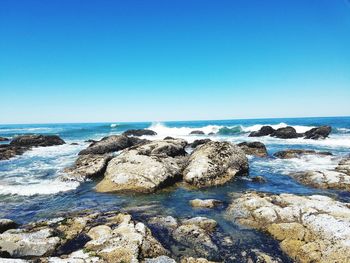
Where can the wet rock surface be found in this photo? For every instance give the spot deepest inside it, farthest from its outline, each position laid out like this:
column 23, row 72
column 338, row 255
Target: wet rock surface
column 339, row 178
column 264, row 131
column 9, row 151
column 309, row 228
column 253, row 148
column 199, row 142
column 206, row 203
column 317, row 133
column 197, row 132
column 295, row 153
column 139, row 132
column 6, row 224
column 215, row 163
column 3, row 139
column 286, row 133
column 87, row 166
column 145, row 168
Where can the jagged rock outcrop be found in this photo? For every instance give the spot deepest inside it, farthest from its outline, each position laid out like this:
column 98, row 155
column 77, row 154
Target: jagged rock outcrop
column 253, row 148
column 9, row 151
column 36, row 140
column 139, row 132
column 309, row 228
column 286, row 133
column 111, row 144
column 296, row 153
column 317, row 133
column 145, row 168
column 87, row 166
column 264, row 131
column 215, row 163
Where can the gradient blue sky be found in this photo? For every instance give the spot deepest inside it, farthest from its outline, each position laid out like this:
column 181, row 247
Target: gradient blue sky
column 87, row 61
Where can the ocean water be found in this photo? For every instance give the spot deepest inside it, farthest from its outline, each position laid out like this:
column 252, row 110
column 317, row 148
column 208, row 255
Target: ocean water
column 31, row 189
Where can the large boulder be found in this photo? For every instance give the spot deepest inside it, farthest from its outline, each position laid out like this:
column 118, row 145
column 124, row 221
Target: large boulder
column 87, row 166
column 321, row 132
column 111, row 144
column 309, row 228
column 199, row 142
column 286, row 133
column 145, row 168
column 36, row 140
column 264, row 131
column 139, row 132
column 205, row 203
column 296, row 153
column 215, row 163
column 253, row 148
column 197, row 132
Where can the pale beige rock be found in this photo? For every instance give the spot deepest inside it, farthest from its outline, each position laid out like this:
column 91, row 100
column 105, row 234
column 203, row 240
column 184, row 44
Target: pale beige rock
column 215, row 163
column 310, row 228
column 203, row 222
column 205, row 203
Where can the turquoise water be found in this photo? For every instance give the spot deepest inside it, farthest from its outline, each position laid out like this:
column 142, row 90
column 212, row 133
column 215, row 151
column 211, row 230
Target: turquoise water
column 30, row 188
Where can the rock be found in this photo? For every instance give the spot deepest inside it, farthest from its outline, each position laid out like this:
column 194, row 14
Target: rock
column 19, row 243
column 206, row 203
column 161, row 259
column 211, row 133
column 286, row 133
column 74, row 143
column 215, row 163
column 111, row 144
column 3, row 139
column 145, row 168
column 169, row 138
column 203, row 222
column 264, row 131
column 6, row 224
column 36, row 140
column 79, row 256
column 139, row 132
column 90, row 140
column 167, row 222
column 259, row 179
column 309, row 228
column 326, row 179
column 197, row 238
column 344, row 166
column 9, row 151
column 195, row 260
column 199, row 142
column 88, row 166
column 317, row 133
column 296, row 153
column 253, row 148
column 197, row 132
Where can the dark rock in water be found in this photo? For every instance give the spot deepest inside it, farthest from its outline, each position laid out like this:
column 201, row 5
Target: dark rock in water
column 6, row 224
column 36, row 140
column 321, row 132
column 295, row 153
column 74, row 143
column 90, row 140
column 286, row 133
column 197, row 132
column 88, row 166
column 211, row 133
column 253, row 148
column 199, row 142
column 110, row 144
column 3, row 139
column 139, row 132
column 264, row 131
column 215, row 163
column 258, row 179
column 169, row 138
column 8, row 151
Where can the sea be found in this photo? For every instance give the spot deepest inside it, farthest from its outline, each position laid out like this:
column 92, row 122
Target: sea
column 31, row 188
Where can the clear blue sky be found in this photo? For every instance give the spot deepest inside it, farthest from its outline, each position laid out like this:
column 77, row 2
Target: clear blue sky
column 135, row 60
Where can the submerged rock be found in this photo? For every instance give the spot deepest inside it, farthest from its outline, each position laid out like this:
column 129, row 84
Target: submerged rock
column 197, row 132
column 6, row 224
column 3, row 139
column 206, row 203
column 317, row 133
column 309, row 228
column 286, row 133
column 199, row 142
column 295, row 153
column 88, row 166
column 145, row 168
column 258, row 179
column 36, row 140
column 111, row 144
column 264, row 131
column 253, row 148
column 139, row 132
column 195, row 260
column 203, row 222
column 215, row 163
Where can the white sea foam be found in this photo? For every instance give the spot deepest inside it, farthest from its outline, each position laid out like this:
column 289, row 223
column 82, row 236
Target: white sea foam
column 113, row 125
column 38, row 171
column 256, row 127
column 164, row 130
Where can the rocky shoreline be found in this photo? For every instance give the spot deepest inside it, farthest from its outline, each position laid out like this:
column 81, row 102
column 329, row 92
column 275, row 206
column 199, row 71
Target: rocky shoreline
column 308, row 228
